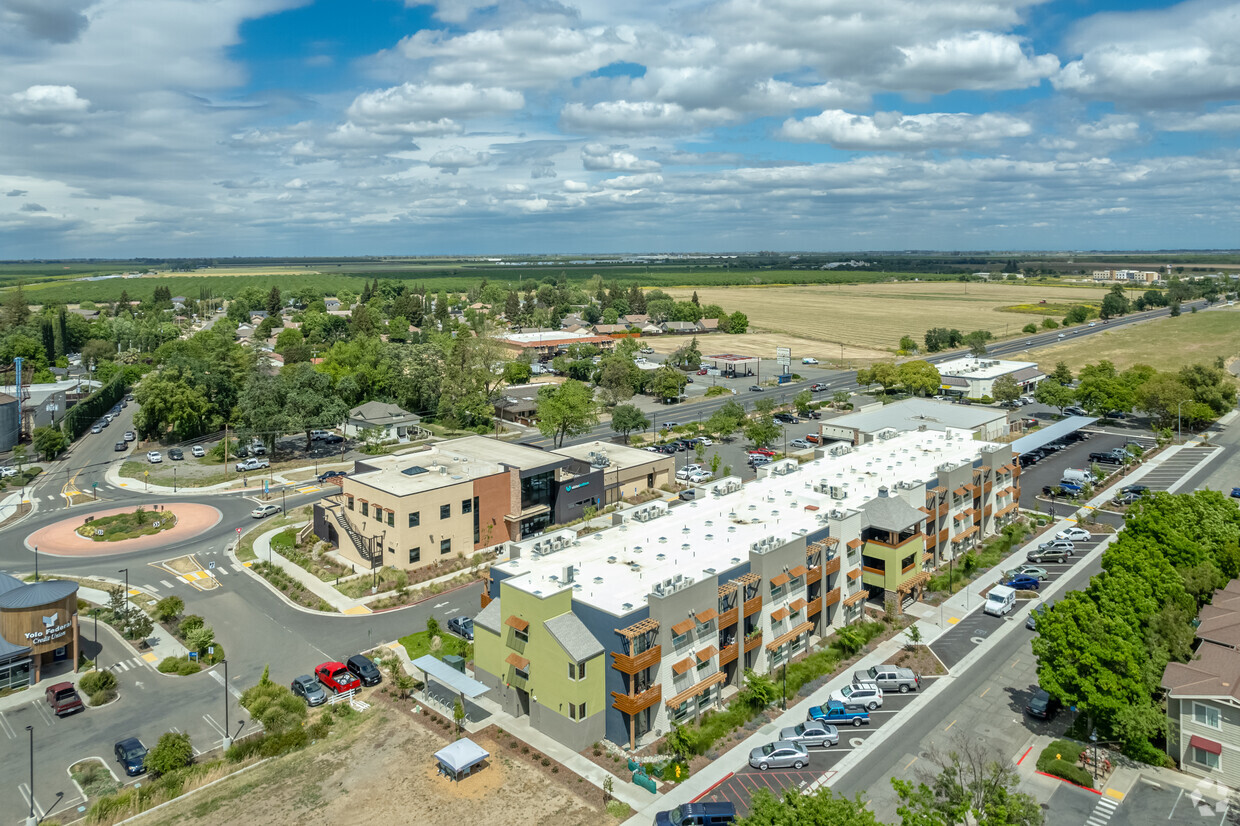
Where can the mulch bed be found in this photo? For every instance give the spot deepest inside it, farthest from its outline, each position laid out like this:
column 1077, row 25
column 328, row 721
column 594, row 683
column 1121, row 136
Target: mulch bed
column 919, row 658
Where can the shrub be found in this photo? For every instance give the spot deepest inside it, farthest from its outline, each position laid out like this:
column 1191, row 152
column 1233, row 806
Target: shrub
column 189, row 624
column 169, row 608
column 172, row 752
column 97, row 681
column 102, row 697
column 546, row 761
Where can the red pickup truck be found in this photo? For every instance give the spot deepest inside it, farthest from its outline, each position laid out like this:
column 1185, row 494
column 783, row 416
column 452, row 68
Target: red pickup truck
column 63, row 699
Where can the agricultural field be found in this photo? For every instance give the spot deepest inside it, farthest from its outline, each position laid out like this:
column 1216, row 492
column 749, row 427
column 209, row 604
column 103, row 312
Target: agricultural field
column 1164, row 344
column 763, row 344
column 873, row 317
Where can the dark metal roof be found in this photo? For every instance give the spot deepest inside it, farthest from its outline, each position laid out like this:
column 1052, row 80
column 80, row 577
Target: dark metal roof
column 8, row 583
column 1046, row 435
column 11, row 651
column 37, row 593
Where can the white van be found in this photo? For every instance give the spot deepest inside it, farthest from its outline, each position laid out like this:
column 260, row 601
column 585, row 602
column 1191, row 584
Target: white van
column 1000, row 600
column 1077, row 477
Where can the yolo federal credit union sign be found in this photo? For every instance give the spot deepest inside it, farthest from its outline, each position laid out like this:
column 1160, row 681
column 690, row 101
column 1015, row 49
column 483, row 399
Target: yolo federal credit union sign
column 41, row 616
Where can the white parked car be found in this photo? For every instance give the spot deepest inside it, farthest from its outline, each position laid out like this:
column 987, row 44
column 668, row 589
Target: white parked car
column 198, row 450
column 700, row 476
column 704, row 442
column 808, row 360
column 8, row 471
column 687, row 471
column 1075, row 534
column 154, row 457
column 801, row 444
column 265, row 510
column 860, row 694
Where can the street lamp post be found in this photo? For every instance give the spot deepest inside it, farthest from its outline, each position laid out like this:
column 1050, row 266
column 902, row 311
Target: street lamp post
column 125, row 571
column 36, row 563
column 1093, row 741
column 31, row 820
column 1179, row 422
column 227, row 730
column 98, row 651
column 174, row 478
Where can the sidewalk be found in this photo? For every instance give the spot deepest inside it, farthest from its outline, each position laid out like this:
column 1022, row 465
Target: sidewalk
column 323, row 590
column 162, row 645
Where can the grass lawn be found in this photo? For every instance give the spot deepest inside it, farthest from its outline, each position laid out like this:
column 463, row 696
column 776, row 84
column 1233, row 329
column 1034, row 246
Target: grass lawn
column 245, row 549
column 1165, row 344
column 127, row 525
column 420, row 643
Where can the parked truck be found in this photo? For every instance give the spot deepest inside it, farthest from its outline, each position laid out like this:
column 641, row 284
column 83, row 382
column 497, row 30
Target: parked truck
column 253, row 463
column 839, row 714
column 63, row 699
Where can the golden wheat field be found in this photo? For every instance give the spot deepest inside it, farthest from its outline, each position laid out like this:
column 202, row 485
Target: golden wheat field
column 875, row 316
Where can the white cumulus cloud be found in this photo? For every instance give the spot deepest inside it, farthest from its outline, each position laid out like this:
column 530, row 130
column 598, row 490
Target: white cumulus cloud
column 892, row 130
column 46, row 104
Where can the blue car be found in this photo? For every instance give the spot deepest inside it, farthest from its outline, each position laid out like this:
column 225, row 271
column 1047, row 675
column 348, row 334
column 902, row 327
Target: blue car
column 131, row 754
column 1235, row 492
column 1024, row 583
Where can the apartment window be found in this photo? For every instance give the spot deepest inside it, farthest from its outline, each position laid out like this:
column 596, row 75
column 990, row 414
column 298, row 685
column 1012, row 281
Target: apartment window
column 445, row 511
column 572, row 671
column 777, row 591
column 391, row 519
column 467, row 506
column 445, row 546
column 576, row 711
column 1206, row 715
column 350, row 503
column 415, row 555
column 522, row 636
column 679, row 639
column 415, row 519
column 1205, row 758
column 581, row 671
column 365, row 509
column 576, row 671
column 703, row 665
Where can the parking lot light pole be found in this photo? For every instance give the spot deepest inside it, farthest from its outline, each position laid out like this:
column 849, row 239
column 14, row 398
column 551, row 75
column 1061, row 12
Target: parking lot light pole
column 227, row 732
column 1179, row 422
column 31, row 820
column 1093, row 741
column 125, row 571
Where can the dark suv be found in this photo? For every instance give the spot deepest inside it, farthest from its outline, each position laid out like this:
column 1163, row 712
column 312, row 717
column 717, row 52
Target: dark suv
column 363, row 669
column 698, row 814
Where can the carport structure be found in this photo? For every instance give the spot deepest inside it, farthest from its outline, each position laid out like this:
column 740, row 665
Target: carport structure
column 733, row 365
column 1050, row 433
column 463, row 686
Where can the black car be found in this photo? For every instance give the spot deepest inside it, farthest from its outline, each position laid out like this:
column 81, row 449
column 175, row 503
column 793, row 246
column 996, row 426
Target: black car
column 786, row 418
column 1042, row 705
column 363, row 669
column 462, row 626
column 131, row 754
column 176, row 454
column 331, row 474
column 813, row 414
column 1137, row 489
column 333, row 438
column 120, row 447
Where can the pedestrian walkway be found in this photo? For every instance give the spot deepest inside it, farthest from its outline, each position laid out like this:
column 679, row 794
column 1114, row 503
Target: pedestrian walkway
column 323, row 590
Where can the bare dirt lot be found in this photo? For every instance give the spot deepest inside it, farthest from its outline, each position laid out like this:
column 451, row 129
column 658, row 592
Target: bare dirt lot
column 874, row 316
column 382, row 771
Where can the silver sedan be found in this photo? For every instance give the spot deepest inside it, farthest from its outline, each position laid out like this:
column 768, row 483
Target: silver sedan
column 811, row 733
column 781, row 754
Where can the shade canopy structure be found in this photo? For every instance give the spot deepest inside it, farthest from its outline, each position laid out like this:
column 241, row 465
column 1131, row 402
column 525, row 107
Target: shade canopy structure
column 1046, row 435
column 441, row 672
column 460, row 758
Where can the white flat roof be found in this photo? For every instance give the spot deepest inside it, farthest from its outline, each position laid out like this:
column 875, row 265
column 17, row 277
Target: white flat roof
column 981, row 368
column 545, row 335
column 621, row 456
column 422, row 471
column 617, row 567
column 909, row 414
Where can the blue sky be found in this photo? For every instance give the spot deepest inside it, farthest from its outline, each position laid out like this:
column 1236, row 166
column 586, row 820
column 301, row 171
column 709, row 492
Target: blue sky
column 350, row 127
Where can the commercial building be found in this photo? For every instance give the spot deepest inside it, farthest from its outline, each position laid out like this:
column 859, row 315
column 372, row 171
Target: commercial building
column 1203, row 695
column 466, row 495
column 545, row 344
column 620, row 633
column 974, row 378
column 985, row 423
column 38, row 627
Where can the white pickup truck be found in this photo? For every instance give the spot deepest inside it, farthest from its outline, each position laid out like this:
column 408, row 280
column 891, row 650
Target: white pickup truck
column 253, row 463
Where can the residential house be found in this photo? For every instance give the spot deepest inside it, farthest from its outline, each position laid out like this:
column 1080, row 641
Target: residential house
column 708, row 325
column 679, row 327
column 635, row 319
column 390, row 421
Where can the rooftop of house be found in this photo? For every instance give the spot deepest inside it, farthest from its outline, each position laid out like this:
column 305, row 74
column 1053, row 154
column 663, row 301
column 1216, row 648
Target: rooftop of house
column 539, row 336
column 619, row 457
column 1220, row 620
column 1213, row 672
column 982, row 368
column 615, row 569
column 909, row 414
column 382, row 413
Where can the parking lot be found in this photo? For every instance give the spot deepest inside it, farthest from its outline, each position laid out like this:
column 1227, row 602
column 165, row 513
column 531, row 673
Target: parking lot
column 972, row 630
column 1173, row 469
column 1048, row 471
column 740, row 787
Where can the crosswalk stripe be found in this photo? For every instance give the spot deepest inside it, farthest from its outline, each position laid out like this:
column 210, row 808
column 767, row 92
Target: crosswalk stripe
column 221, row 570
column 153, row 588
column 1107, row 803
column 182, row 580
column 165, row 583
column 236, row 566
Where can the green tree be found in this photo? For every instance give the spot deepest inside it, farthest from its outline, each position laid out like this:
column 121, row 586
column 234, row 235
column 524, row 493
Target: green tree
column 1050, row 324
column 310, row 402
column 169, row 608
column 1029, row 328
column 977, row 342
column 49, row 441
column 738, row 323
column 1062, row 373
column 627, row 418
column 822, row 808
column 618, row 378
column 1114, row 304
column 801, row 401
column 516, row 372
column 1053, row 394
column 173, row 751
column 975, row 785
column 1005, row 389
column 568, row 409
column 760, row 691
column 885, row 373
column 921, row 378
column 138, row 625
column 726, row 420
column 666, row 383
column 907, row 344
column 273, row 303
column 761, row 431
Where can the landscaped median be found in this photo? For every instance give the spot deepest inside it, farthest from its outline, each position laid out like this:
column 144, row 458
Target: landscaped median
column 119, row 526
column 1060, row 759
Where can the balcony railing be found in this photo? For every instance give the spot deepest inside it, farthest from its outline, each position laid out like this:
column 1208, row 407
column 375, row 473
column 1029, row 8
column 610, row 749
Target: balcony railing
column 815, row 605
column 831, row 597
column 752, row 606
column 727, row 654
column 814, row 575
column 633, row 703
column 832, row 567
column 637, row 662
column 753, row 642
column 876, row 571
column 728, row 617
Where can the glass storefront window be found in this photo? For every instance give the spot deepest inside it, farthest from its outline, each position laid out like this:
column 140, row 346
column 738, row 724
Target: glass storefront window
column 14, row 675
column 537, row 490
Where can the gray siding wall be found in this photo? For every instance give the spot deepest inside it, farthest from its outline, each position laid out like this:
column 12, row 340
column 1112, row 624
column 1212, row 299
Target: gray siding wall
column 574, row 734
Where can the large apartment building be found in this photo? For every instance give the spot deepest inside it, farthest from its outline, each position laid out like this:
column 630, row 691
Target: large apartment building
column 620, row 633
column 465, row 495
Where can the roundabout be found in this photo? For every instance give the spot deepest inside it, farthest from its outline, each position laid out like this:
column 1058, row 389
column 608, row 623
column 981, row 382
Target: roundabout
column 63, row 539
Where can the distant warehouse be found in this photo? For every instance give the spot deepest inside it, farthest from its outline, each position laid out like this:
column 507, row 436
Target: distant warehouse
column 975, row 377
column 985, row 423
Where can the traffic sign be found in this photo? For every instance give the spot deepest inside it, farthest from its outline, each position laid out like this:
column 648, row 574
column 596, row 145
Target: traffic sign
column 238, row 531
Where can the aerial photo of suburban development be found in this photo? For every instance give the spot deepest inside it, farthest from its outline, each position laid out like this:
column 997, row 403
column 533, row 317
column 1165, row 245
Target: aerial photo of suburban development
column 755, row 412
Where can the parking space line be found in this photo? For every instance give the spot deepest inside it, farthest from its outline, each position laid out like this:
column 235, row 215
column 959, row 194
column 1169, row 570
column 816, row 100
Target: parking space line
column 4, row 726
column 949, row 725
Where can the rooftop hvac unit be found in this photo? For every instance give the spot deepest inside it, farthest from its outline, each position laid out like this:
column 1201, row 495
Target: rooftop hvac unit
column 678, row 579
column 837, row 514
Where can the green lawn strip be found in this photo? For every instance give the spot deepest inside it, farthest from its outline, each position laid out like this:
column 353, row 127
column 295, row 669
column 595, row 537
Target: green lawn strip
column 1060, row 758
column 245, row 548
column 127, row 525
column 419, row 644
